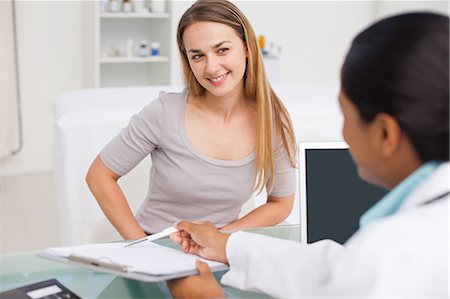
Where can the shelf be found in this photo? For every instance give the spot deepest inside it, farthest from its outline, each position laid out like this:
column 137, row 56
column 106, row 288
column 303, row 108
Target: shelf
column 149, row 59
column 133, row 15
column 114, row 30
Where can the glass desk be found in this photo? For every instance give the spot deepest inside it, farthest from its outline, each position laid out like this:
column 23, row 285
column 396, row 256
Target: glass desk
column 17, row 270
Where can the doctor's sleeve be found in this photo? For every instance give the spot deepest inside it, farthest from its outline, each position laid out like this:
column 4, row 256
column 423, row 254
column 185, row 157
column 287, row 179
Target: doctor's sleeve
column 283, row 269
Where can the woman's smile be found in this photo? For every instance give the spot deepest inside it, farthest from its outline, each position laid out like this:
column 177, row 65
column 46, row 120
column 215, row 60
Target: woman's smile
column 219, row 80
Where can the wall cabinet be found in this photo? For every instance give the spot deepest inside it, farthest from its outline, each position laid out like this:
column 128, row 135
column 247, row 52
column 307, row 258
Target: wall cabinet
column 123, row 48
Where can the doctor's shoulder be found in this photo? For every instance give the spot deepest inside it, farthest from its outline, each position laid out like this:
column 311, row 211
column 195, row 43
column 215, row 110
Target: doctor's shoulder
column 417, row 220
column 412, row 233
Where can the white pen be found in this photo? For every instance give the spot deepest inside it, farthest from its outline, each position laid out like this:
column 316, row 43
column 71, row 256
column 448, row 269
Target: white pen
column 164, row 233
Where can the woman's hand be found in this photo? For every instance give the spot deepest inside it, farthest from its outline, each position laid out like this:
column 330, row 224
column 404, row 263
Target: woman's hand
column 202, row 239
column 203, row 285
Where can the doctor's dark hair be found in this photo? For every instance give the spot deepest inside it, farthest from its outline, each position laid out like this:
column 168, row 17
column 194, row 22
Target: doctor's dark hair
column 400, row 66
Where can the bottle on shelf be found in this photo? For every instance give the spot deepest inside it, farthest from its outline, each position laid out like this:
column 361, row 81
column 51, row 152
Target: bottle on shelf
column 262, row 44
column 143, row 50
column 114, row 5
column 103, row 5
column 130, row 48
column 140, row 6
column 154, row 49
column 112, row 51
column 127, row 6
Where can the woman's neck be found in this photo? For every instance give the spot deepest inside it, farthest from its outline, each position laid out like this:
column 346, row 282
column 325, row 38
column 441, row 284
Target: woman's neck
column 224, row 107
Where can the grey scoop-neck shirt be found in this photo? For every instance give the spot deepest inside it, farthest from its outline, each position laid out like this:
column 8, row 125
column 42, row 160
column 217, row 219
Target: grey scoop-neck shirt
column 185, row 184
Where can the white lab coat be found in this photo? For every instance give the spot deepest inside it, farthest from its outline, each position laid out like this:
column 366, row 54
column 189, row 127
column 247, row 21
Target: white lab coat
column 403, row 255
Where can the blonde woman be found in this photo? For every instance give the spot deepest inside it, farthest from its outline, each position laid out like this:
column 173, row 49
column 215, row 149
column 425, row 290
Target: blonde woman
column 213, row 144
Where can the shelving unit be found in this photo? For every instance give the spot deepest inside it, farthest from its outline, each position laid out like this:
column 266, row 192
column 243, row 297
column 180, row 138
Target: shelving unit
column 134, row 15
column 113, row 30
column 149, row 59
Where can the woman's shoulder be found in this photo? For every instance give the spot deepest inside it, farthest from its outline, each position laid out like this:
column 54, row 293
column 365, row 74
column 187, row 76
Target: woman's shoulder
column 171, row 97
column 166, row 101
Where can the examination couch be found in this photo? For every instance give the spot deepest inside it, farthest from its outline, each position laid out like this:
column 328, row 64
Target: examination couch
column 85, row 120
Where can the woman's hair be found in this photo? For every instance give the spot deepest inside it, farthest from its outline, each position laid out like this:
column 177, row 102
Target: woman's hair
column 400, row 66
column 271, row 112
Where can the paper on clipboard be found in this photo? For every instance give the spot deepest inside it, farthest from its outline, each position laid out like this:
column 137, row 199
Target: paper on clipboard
column 146, row 258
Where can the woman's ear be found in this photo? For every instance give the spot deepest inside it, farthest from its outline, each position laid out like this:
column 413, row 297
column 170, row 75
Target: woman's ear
column 390, row 134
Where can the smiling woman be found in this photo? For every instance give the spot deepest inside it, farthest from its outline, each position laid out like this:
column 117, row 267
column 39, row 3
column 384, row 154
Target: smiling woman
column 213, row 144
column 217, row 58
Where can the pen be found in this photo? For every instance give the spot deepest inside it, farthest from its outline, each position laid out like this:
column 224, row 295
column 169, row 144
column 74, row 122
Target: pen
column 162, row 234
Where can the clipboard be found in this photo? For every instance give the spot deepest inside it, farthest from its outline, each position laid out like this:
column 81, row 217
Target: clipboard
column 110, row 266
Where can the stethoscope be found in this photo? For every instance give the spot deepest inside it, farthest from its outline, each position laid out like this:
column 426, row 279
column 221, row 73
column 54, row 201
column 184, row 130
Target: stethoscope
column 445, row 194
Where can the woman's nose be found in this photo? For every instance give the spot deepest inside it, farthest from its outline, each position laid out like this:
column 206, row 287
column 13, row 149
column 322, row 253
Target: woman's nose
column 212, row 65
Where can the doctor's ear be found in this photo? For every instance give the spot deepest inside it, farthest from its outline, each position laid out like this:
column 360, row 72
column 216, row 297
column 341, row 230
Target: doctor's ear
column 390, row 134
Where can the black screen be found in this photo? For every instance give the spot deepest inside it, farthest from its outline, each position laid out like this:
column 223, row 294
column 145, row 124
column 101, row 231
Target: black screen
column 336, row 195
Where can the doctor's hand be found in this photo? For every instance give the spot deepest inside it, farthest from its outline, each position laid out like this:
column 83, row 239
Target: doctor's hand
column 202, row 239
column 203, row 285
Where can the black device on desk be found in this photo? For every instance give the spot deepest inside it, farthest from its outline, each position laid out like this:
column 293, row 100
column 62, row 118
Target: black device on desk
column 332, row 194
column 49, row 289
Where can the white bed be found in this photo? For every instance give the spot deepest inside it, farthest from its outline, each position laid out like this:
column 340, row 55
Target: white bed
column 85, row 120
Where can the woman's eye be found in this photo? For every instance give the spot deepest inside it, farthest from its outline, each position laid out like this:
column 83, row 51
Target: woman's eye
column 196, row 57
column 223, row 50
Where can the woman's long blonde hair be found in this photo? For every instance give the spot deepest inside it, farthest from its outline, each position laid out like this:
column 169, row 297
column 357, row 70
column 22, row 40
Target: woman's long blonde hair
column 272, row 114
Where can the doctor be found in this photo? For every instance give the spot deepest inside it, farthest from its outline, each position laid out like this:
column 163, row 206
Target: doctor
column 395, row 101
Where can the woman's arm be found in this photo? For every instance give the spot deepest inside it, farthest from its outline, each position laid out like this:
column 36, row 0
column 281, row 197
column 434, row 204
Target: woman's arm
column 271, row 213
column 103, row 184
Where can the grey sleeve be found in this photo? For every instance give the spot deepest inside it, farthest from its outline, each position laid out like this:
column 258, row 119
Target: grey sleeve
column 285, row 174
column 135, row 141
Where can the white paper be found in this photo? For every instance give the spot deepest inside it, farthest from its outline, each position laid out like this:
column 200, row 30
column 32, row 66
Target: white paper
column 147, row 257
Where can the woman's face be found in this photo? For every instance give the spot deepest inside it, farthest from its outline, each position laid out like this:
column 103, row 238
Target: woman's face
column 362, row 138
column 217, row 57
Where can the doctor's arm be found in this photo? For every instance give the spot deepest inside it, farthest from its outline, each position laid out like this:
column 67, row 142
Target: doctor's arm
column 103, row 185
column 300, row 268
column 274, row 211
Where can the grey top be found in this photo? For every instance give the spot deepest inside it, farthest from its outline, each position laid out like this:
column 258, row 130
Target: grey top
column 185, row 183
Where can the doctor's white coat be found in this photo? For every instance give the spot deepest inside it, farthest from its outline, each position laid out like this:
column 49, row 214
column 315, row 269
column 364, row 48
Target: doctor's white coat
column 403, row 255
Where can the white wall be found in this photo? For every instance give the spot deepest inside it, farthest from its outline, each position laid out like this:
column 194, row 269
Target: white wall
column 387, row 8
column 314, row 35
column 50, row 52
column 55, row 53
column 177, row 8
